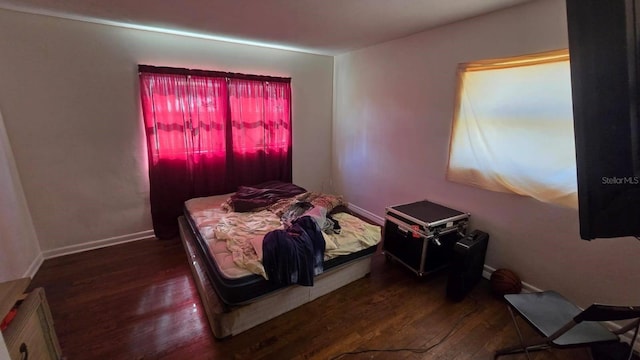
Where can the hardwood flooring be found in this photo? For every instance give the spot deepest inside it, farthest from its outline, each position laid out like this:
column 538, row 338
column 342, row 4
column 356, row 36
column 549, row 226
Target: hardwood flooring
column 138, row 301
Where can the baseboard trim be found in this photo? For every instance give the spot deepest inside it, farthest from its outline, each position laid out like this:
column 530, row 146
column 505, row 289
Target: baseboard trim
column 34, row 267
column 526, row 287
column 369, row 215
column 72, row 249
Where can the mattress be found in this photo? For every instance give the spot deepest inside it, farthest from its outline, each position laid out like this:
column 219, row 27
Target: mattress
column 239, row 285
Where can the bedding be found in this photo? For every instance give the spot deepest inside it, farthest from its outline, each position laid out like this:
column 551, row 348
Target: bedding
column 242, row 233
column 249, row 198
column 229, row 250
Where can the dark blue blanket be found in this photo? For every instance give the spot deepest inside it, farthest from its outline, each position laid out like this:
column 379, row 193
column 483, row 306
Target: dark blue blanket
column 294, row 255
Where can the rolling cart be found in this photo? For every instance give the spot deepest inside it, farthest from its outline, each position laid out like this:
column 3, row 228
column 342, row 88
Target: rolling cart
column 421, row 235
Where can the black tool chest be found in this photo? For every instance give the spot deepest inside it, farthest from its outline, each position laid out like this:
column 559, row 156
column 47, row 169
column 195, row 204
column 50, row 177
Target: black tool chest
column 421, row 235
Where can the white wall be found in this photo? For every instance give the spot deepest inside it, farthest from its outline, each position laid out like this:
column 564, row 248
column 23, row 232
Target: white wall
column 392, row 119
column 19, row 249
column 69, row 93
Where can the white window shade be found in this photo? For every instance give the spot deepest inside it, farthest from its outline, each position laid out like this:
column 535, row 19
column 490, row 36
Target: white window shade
column 513, row 128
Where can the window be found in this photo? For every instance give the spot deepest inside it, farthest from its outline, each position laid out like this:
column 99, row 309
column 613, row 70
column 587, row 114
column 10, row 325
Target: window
column 513, row 127
column 184, row 115
column 210, row 132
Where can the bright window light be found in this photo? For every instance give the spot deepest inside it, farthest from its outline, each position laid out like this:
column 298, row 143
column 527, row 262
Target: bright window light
column 513, row 127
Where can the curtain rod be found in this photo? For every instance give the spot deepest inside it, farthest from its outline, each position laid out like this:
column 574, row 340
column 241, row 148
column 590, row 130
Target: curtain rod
column 209, row 73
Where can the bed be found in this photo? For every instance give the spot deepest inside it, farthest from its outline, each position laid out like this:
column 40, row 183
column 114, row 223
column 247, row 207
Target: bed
column 224, row 240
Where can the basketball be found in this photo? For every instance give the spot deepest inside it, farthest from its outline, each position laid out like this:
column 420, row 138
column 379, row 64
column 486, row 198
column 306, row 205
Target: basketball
column 505, row 281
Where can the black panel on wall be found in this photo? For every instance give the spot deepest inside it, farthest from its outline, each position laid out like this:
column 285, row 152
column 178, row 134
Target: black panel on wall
column 603, row 46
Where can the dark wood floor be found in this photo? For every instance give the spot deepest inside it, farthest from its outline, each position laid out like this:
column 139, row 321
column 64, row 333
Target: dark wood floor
column 138, row 301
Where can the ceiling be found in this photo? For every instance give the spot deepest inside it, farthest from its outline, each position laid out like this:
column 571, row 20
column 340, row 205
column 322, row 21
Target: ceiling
column 327, row 27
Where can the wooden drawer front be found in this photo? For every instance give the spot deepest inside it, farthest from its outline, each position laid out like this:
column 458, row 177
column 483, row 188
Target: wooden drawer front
column 31, row 332
column 31, row 343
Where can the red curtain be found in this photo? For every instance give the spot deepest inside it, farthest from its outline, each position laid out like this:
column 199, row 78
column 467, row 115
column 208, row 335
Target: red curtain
column 261, row 130
column 207, row 133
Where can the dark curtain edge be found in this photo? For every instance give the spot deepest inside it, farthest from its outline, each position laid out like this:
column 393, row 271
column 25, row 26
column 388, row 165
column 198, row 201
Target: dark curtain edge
column 209, row 73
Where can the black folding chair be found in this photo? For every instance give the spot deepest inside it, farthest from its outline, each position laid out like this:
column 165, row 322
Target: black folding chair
column 562, row 324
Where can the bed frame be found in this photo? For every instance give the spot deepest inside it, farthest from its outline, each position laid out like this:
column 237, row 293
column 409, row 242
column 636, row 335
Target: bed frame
column 226, row 320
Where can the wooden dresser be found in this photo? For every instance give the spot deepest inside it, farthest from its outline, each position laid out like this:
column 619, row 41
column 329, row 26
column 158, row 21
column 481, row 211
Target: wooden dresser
column 30, row 335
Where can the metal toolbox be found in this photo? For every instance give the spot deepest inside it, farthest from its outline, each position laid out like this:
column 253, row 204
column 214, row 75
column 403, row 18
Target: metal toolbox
column 421, row 235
